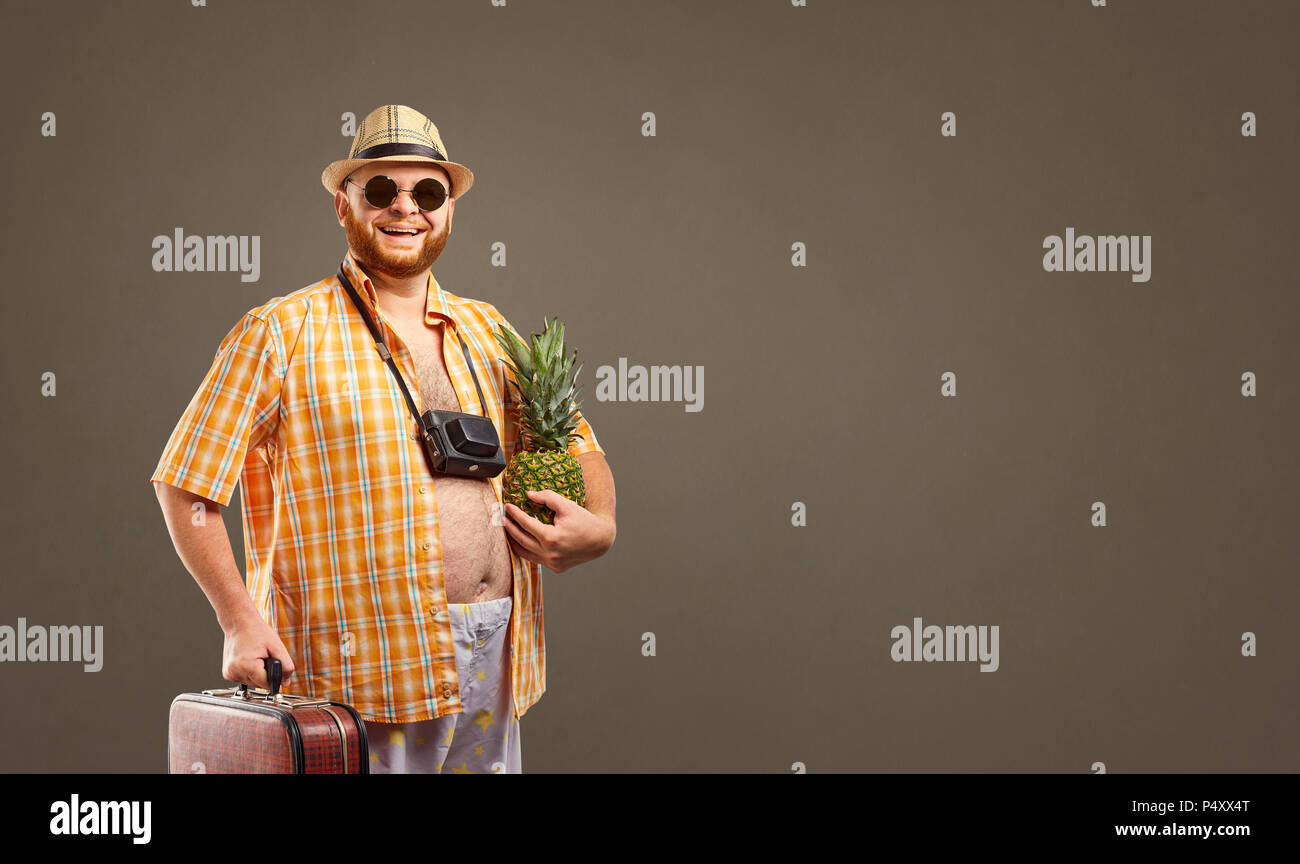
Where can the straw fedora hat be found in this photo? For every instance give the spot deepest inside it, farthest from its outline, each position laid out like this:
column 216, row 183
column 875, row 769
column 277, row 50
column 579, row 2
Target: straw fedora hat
column 401, row 134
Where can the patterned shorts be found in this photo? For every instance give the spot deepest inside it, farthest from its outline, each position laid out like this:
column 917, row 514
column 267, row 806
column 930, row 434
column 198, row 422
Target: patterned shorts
column 484, row 737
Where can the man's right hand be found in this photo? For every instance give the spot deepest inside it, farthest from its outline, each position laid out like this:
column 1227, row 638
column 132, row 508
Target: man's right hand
column 246, row 645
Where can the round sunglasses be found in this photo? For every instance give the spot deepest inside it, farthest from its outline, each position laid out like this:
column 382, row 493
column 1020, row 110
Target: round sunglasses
column 381, row 192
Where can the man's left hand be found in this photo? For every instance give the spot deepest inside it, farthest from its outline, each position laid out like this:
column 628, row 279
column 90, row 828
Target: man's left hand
column 577, row 536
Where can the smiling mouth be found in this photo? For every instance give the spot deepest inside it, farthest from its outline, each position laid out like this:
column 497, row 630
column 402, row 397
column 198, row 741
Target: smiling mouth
column 406, row 234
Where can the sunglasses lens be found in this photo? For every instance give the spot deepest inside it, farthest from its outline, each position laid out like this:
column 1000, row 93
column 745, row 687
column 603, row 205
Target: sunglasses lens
column 380, row 191
column 429, row 194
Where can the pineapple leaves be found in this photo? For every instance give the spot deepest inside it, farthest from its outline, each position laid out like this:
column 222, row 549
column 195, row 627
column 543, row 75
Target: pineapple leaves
column 546, row 389
column 517, row 353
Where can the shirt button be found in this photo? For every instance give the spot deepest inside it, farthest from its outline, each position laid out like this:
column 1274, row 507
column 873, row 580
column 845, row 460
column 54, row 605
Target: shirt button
column 423, row 490
column 426, row 544
column 446, row 690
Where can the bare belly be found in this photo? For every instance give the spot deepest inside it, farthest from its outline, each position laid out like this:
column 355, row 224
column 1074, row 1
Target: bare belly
column 475, row 553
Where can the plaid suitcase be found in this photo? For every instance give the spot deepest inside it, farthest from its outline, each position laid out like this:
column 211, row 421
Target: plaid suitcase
column 251, row 731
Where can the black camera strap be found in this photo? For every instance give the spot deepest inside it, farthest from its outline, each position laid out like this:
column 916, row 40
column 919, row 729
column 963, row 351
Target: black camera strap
column 388, row 357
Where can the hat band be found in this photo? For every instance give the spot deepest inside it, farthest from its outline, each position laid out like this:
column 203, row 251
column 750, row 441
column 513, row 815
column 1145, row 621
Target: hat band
column 399, row 148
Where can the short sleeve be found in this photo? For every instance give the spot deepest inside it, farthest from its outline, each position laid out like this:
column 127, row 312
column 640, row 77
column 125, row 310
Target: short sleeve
column 577, row 446
column 236, row 408
column 587, row 443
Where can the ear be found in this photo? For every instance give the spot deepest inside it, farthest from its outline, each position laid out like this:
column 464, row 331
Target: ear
column 341, row 205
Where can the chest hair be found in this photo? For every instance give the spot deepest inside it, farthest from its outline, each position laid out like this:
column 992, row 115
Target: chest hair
column 430, row 372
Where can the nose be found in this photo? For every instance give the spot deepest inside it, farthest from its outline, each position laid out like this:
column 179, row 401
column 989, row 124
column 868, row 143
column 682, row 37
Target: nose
column 404, row 203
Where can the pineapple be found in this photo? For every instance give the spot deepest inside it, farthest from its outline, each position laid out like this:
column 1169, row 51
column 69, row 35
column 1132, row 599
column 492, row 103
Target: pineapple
column 546, row 420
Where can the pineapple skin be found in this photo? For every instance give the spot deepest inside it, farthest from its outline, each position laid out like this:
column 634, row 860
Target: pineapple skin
column 543, row 469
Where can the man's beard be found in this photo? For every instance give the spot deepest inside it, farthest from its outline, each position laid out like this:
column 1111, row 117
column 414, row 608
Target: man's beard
column 390, row 260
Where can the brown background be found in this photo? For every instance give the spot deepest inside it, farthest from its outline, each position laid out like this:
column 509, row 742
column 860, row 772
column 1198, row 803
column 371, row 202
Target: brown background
column 775, row 125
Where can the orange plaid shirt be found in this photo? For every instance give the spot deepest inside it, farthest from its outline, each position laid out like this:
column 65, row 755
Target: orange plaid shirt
column 340, row 514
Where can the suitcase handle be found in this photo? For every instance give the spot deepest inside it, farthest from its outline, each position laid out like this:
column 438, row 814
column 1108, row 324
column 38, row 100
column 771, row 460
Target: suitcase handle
column 274, row 675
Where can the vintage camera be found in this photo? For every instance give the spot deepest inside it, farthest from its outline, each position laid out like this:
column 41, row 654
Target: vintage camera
column 465, row 445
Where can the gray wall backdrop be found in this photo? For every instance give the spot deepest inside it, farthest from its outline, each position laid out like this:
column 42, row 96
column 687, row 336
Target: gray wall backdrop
column 775, row 124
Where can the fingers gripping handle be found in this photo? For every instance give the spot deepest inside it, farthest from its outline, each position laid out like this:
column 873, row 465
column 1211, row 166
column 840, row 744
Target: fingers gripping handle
column 274, row 675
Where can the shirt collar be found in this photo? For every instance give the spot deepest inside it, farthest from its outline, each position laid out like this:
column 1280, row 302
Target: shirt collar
column 435, row 308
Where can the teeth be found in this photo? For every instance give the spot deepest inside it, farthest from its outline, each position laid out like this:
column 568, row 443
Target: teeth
column 410, row 231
